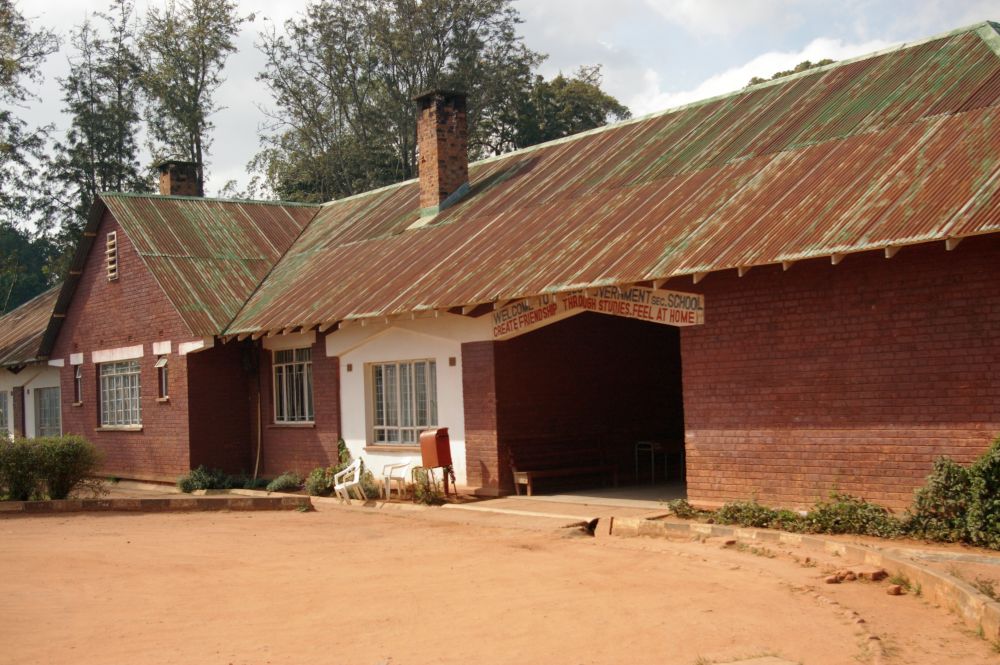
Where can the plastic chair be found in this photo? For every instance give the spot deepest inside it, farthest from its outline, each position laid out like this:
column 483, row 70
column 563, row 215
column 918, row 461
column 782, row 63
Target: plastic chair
column 395, row 472
column 343, row 487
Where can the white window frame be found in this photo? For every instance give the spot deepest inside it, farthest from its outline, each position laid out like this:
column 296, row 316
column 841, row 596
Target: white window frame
column 292, row 386
column 78, row 384
column 162, row 377
column 6, row 431
column 121, row 394
column 43, row 412
column 401, row 402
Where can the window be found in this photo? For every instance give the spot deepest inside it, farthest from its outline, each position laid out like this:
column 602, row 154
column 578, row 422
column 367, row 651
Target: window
column 78, row 384
column 120, row 405
column 4, row 415
column 162, row 378
column 48, row 421
column 111, row 252
column 293, row 386
column 404, row 400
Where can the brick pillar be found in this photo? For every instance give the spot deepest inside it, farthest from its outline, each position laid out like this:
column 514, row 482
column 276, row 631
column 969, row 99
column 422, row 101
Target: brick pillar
column 484, row 462
column 18, row 410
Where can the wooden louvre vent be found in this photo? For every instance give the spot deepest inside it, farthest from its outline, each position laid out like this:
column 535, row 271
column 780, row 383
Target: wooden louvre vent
column 111, row 252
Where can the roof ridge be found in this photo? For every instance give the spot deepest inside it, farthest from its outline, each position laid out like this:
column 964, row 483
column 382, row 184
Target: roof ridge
column 208, row 199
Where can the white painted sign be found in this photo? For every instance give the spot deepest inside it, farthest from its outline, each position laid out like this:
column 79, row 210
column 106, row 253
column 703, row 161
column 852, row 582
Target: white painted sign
column 671, row 308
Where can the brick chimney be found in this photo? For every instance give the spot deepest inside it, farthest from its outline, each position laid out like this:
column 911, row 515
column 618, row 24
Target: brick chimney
column 443, row 149
column 180, row 179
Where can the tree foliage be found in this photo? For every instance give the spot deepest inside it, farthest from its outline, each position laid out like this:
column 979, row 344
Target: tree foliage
column 23, row 49
column 343, row 76
column 23, row 261
column 186, row 46
column 801, row 67
column 101, row 95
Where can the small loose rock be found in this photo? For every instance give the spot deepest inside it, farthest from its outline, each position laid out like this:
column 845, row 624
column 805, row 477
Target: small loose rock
column 894, row 590
column 832, row 579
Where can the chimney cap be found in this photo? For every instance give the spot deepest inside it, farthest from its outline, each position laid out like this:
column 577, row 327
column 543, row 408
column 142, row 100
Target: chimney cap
column 167, row 164
column 440, row 93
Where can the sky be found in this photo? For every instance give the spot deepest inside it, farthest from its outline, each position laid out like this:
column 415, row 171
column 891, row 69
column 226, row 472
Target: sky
column 655, row 54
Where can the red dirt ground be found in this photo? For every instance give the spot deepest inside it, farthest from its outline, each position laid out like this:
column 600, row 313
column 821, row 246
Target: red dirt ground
column 360, row 586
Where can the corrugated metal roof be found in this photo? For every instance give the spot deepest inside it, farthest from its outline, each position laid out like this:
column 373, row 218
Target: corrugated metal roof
column 208, row 255
column 895, row 148
column 21, row 329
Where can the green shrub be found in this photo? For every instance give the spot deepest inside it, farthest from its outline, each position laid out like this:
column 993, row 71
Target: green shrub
column 849, row 514
column 940, row 508
column 204, row 478
column 746, row 513
column 287, row 481
column 65, row 462
column 983, row 519
column 368, row 483
column 682, row 509
column 320, row 481
column 20, row 470
column 426, row 489
column 787, row 520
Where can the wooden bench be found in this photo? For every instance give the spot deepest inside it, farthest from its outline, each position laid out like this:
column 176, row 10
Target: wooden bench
column 527, row 476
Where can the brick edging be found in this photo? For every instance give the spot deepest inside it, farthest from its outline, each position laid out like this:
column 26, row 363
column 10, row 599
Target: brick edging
column 977, row 610
column 165, row 505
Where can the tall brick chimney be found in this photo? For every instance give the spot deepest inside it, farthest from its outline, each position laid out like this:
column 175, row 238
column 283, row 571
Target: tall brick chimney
column 443, row 149
column 180, row 178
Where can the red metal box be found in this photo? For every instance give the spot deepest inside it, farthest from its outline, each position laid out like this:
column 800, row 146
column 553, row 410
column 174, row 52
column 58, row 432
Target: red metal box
column 435, row 447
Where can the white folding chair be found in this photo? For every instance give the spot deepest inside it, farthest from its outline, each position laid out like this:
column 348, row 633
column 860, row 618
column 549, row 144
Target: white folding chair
column 343, row 487
column 395, row 472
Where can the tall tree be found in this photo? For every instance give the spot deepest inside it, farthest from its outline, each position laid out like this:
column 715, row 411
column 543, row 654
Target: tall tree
column 343, row 75
column 186, row 46
column 557, row 108
column 100, row 151
column 23, row 258
column 22, row 51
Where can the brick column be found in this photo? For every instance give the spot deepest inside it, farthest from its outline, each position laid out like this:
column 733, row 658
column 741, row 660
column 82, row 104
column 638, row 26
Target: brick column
column 484, row 463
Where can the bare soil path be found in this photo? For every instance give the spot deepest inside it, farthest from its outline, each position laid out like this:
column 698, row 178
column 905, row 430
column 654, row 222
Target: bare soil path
column 360, row 586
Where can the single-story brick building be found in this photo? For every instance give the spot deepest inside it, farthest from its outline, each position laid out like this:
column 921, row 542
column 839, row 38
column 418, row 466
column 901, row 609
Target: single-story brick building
column 793, row 287
column 30, row 403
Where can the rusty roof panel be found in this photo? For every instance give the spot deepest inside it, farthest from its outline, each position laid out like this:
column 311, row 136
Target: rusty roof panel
column 21, row 329
column 208, row 255
column 894, row 148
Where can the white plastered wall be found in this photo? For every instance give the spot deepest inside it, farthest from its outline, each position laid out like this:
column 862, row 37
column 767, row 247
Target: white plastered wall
column 439, row 339
column 31, row 377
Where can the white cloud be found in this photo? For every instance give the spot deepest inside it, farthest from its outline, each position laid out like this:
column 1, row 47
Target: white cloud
column 654, row 98
column 725, row 17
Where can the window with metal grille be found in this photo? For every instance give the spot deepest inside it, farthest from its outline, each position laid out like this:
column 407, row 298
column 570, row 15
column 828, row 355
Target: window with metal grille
column 48, row 420
column 403, row 400
column 162, row 377
column 293, row 386
column 111, row 252
column 120, row 403
column 78, row 384
column 4, row 415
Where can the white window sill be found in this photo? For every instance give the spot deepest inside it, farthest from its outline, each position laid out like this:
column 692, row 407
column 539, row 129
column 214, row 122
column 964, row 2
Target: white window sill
column 119, row 428
column 162, row 400
column 391, row 448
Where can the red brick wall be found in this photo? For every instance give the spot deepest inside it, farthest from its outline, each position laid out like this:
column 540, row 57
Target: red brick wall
column 129, row 311
column 579, row 391
column 301, row 448
column 220, row 410
column 484, row 467
column 852, row 377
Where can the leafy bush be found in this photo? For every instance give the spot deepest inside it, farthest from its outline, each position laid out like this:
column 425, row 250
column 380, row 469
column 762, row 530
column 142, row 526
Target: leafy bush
column 287, row 481
column 20, row 470
column 65, row 462
column 787, row 520
column 49, row 466
column 941, row 506
column 746, row 513
column 426, row 489
column 983, row 519
column 682, row 509
column 204, row 478
column 849, row 514
column 320, row 480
